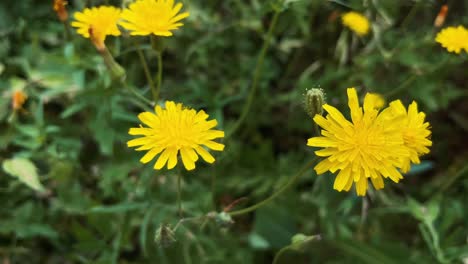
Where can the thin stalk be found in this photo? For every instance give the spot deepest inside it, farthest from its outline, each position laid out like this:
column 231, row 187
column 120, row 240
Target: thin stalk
column 179, row 193
column 67, row 31
column 213, row 187
column 257, row 74
column 146, row 70
column 451, row 180
column 157, row 89
column 137, row 95
column 285, row 187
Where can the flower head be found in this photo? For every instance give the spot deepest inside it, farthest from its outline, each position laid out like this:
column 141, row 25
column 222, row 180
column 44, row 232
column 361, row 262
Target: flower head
column 370, row 146
column 356, row 22
column 175, row 129
column 59, row 8
column 158, row 17
column 97, row 23
column 454, row 39
column 415, row 132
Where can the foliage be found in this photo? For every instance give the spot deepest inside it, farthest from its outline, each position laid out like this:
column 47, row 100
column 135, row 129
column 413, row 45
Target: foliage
column 72, row 192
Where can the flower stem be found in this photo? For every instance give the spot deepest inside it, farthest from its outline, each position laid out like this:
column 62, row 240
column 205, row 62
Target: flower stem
column 257, row 74
column 146, row 69
column 179, row 193
column 285, row 187
column 157, row 90
column 137, row 95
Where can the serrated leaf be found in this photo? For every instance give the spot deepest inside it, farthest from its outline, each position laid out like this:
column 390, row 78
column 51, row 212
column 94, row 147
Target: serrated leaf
column 25, row 171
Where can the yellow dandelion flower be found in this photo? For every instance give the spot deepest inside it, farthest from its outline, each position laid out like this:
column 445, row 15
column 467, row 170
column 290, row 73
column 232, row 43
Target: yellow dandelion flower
column 371, row 146
column 97, row 23
column 454, row 39
column 415, row 131
column 175, row 129
column 356, row 22
column 158, row 17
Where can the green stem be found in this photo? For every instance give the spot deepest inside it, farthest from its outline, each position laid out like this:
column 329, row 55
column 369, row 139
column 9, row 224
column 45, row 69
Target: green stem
column 146, row 69
column 278, row 255
column 290, row 183
column 213, row 187
column 435, row 242
column 410, row 15
column 137, row 95
column 452, row 180
column 257, row 74
column 179, row 193
column 67, row 31
column 157, row 89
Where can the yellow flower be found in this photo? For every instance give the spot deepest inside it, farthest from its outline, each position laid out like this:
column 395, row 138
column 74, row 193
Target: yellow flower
column 454, row 39
column 175, row 129
column 158, row 17
column 371, row 146
column 96, row 23
column 356, row 22
column 415, row 132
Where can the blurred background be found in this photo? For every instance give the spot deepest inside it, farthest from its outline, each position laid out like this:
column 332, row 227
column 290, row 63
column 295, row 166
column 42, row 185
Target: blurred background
column 72, row 192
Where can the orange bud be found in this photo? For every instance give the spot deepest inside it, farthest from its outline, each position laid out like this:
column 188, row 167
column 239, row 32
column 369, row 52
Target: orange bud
column 440, row 19
column 333, row 16
column 18, row 98
column 59, row 8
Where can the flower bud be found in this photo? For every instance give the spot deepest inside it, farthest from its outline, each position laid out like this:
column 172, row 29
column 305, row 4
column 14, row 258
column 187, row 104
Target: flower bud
column 314, row 99
column 164, row 236
column 224, row 219
column 60, row 9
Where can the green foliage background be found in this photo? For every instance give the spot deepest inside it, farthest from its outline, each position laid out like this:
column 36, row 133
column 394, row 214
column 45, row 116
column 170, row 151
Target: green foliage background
column 95, row 203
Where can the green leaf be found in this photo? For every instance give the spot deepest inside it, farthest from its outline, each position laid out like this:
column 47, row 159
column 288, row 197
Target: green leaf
column 256, row 241
column 25, row 171
column 123, row 207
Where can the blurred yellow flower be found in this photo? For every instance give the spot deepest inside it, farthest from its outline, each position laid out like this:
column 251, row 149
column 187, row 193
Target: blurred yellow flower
column 415, row 131
column 371, row 146
column 454, row 39
column 356, row 22
column 96, row 23
column 175, row 129
column 158, row 17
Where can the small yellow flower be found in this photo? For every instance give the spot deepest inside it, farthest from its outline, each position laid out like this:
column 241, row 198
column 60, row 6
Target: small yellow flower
column 97, row 23
column 415, row 132
column 454, row 39
column 158, row 17
column 356, row 22
column 175, row 129
column 369, row 147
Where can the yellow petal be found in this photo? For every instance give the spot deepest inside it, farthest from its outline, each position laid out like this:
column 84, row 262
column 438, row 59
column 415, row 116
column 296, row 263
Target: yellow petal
column 205, row 154
column 341, row 180
column 361, row 186
column 150, row 155
column 188, row 162
column 214, row 145
column 172, row 160
column 162, row 160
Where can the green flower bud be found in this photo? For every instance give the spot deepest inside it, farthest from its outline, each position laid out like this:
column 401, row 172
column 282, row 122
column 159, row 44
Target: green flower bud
column 314, row 99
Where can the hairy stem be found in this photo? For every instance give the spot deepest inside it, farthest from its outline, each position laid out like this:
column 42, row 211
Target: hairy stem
column 281, row 190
